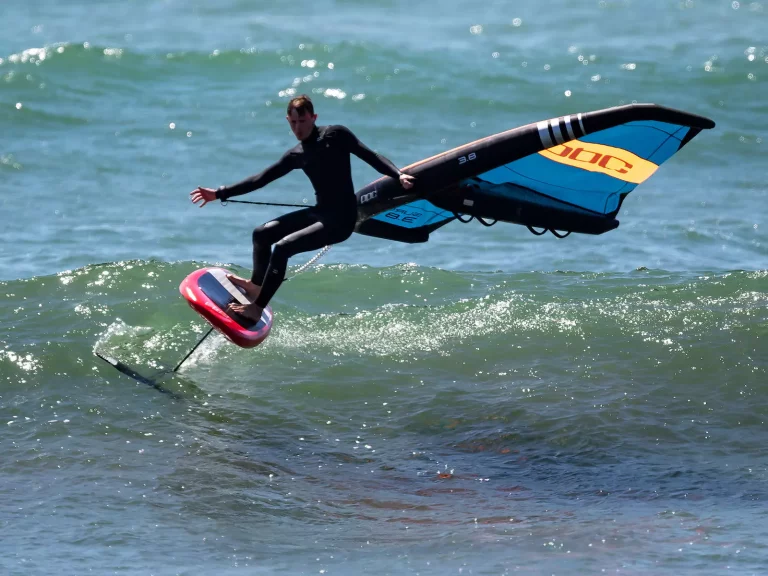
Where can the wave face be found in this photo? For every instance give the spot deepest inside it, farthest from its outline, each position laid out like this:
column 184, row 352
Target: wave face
column 487, row 402
column 493, row 406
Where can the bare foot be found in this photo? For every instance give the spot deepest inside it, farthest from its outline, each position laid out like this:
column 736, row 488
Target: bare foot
column 252, row 311
column 251, row 290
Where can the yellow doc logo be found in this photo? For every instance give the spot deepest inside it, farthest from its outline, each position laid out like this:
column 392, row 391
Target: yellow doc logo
column 615, row 162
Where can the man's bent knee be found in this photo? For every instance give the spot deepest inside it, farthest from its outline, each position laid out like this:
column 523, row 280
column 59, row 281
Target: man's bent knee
column 260, row 232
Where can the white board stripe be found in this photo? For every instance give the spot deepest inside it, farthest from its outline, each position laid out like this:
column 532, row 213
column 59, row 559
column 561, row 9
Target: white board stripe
column 569, row 129
column 544, row 134
column 581, row 124
column 555, row 123
column 221, row 276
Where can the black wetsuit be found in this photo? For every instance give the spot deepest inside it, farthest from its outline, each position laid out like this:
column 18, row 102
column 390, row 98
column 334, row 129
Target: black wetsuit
column 325, row 158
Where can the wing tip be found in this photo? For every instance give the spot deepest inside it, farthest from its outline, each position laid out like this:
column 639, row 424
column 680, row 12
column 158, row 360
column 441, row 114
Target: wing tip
column 687, row 118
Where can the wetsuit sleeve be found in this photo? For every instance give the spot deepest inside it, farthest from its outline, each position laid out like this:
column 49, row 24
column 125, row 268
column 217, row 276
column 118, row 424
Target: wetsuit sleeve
column 270, row 174
column 376, row 161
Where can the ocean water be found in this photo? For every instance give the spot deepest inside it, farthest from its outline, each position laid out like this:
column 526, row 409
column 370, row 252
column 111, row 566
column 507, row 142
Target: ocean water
column 489, row 402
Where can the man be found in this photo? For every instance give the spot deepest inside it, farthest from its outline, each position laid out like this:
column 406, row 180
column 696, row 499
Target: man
column 323, row 153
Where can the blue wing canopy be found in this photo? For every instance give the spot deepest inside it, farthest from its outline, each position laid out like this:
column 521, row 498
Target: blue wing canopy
column 594, row 172
column 419, row 214
column 410, row 222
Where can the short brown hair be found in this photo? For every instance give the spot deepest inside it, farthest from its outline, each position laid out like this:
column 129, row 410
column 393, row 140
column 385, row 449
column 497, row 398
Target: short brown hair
column 302, row 104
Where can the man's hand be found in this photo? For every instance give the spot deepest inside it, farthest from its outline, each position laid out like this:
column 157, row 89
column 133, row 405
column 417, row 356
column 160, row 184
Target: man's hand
column 407, row 181
column 204, row 194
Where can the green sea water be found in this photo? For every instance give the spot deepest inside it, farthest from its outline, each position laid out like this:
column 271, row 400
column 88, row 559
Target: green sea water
column 488, row 402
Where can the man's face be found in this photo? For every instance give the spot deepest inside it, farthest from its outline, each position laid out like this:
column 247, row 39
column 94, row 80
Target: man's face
column 301, row 125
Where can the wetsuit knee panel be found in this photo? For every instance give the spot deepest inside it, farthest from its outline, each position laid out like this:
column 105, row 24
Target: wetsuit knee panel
column 260, row 232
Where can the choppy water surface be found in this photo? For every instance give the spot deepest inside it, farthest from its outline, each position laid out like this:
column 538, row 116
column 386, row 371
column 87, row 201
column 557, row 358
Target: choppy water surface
column 488, row 402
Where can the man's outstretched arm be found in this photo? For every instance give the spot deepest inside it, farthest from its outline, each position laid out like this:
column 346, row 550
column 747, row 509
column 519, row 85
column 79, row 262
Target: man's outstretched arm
column 270, row 174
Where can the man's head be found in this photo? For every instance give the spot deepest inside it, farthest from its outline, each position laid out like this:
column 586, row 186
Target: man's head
column 301, row 116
